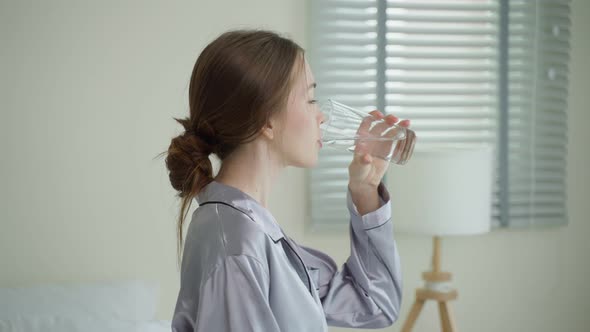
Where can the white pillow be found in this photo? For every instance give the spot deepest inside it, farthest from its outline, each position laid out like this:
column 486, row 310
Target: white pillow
column 127, row 300
column 38, row 323
column 53, row 323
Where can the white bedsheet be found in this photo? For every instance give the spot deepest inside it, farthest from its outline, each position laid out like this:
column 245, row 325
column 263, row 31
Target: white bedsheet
column 114, row 306
column 126, row 299
column 52, row 323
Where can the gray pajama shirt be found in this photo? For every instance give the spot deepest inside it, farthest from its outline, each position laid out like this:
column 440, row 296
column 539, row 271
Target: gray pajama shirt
column 240, row 272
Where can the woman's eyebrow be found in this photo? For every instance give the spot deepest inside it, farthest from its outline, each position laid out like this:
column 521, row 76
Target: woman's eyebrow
column 312, row 85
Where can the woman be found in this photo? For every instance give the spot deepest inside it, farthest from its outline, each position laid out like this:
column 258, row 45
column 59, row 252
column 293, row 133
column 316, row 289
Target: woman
column 251, row 103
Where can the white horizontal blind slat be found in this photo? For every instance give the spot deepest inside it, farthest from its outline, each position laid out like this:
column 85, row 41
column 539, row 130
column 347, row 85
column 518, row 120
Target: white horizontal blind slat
column 538, row 71
column 452, row 73
column 343, row 56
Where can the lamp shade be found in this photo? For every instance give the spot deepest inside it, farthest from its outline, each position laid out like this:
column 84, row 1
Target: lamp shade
column 445, row 191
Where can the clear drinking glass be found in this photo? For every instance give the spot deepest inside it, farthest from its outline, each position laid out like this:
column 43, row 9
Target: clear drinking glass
column 344, row 127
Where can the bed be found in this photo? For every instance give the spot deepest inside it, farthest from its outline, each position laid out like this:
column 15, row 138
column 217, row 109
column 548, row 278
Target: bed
column 118, row 306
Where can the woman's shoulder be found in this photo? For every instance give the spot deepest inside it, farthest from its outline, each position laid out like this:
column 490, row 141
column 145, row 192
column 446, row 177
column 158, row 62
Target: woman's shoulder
column 223, row 231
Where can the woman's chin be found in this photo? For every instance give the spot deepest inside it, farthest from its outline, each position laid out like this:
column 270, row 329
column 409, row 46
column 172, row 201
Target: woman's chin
column 306, row 163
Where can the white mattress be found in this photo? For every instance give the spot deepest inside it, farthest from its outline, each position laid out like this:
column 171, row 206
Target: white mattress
column 45, row 323
column 120, row 306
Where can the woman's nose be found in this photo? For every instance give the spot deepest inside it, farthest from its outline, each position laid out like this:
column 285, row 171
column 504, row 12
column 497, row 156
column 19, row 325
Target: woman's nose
column 322, row 117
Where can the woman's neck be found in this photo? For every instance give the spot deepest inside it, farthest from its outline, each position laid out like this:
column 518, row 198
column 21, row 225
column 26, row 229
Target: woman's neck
column 251, row 169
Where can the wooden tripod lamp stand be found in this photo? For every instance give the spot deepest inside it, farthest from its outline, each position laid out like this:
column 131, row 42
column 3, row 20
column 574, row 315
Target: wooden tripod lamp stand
column 436, row 289
column 445, row 191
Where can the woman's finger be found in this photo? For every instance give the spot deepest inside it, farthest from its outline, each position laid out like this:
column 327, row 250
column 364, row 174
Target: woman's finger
column 378, row 115
column 360, row 149
column 363, row 128
column 393, row 132
column 404, row 123
column 379, row 128
column 388, row 122
column 391, row 119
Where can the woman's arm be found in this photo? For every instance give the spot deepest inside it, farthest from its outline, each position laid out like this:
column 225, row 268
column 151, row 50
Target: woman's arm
column 367, row 291
column 365, row 200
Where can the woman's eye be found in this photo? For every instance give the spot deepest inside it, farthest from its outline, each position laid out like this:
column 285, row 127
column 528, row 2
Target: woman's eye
column 313, row 101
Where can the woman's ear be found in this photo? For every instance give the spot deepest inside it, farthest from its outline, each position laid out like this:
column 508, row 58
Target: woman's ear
column 269, row 130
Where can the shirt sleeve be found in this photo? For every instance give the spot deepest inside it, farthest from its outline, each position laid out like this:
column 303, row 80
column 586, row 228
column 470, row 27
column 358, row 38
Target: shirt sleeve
column 367, row 291
column 234, row 297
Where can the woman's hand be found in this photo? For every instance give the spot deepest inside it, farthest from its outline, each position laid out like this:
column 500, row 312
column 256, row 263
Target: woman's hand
column 365, row 170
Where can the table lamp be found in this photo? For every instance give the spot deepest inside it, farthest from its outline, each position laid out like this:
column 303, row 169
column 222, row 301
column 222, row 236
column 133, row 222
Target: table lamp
column 441, row 192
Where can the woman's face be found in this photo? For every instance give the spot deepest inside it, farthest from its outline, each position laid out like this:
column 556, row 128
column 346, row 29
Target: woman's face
column 300, row 122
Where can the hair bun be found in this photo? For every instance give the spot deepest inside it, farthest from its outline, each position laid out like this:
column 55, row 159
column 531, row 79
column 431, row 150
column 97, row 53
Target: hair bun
column 189, row 153
column 205, row 146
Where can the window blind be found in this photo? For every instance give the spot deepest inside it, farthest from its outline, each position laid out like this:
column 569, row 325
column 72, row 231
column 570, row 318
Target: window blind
column 343, row 55
column 539, row 33
column 436, row 63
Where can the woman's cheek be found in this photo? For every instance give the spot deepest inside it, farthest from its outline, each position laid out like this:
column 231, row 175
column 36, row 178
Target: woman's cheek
column 300, row 122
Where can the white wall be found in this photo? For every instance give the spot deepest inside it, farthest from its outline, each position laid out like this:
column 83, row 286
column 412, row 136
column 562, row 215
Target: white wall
column 88, row 93
column 89, row 90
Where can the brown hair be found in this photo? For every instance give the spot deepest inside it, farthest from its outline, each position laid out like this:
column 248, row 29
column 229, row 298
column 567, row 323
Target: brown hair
column 239, row 81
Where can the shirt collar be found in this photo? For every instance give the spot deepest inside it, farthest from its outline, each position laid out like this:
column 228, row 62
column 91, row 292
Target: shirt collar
column 217, row 191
